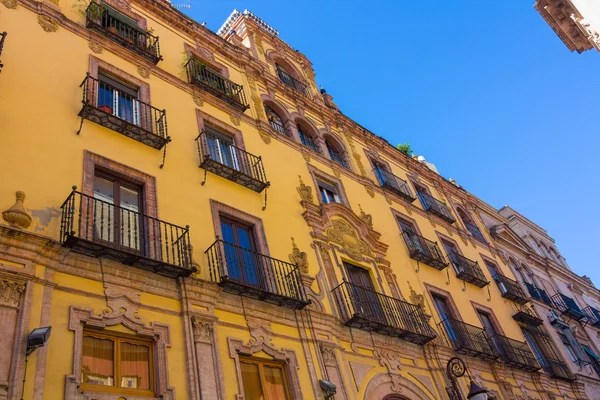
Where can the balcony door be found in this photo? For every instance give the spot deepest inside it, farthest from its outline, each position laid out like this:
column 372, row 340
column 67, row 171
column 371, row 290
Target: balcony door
column 416, row 244
column 243, row 262
column 443, row 308
column 222, row 149
column 380, row 173
column 116, row 210
column 118, row 99
column 492, row 339
column 366, row 300
column 451, row 250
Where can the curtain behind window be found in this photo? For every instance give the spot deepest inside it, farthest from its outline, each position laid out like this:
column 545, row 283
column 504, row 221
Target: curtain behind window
column 97, row 364
column 251, row 380
column 135, row 366
column 274, row 383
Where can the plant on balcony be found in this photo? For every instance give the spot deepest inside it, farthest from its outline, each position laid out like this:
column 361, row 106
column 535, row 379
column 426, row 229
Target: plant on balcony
column 405, row 149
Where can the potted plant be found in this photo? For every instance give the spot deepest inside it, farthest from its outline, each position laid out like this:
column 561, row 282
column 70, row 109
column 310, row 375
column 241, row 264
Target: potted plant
column 106, row 109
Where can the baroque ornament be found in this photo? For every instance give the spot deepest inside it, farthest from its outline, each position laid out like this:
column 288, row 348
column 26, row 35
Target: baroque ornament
column 203, row 330
column 417, row 299
column 370, row 190
column 143, row 71
column 95, row 46
column 328, row 355
column 9, row 3
column 48, row 24
column 235, row 119
column 304, row 191
column 264, row 136
column 342, row 233
column 198, row 100
column 367, row 218
column 299, row 258
column 16, row 216
column 10, row 293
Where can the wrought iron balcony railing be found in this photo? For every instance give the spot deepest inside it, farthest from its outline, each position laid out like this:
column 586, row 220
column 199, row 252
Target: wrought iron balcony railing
column 252, row 274
column 527, row 317
column 363, row 308
column 510, row 289
column 593, row 316
column 424, row 250
column 203, row 76
column 123, row 30
column 309, row 142
column 98, row 228
column 224, row 159
column 2, row 38
column 568, row 307
column 468, row 339
column 539, row 294
column 546, row 355
column 435, row 207
column 515, row 354
column 475, row 232
column 394, row 184
column 291, row 81
column 114, row 109
column 468, row 270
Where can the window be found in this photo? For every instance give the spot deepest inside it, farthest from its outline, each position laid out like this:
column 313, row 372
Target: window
column 568, row 347
column 470, row 225
column 115, row 363
column 335, row 154
column 263, row 380
column 486, row 321
column 329, row 193
column 119, row 99
column 116, row 213
column 240, row 253
column 275, row 120
column 221, row 148
column 452, row 251
column 307, row 139
column 405, row 225
column 493, row 268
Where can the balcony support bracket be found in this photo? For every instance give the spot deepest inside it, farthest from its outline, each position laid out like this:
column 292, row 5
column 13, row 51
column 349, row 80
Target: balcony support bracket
column 464, row 289
column 448, row 274
column 489, row 294
column 165, row 152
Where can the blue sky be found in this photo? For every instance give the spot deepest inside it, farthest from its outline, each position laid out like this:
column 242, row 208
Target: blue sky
column 482, row 88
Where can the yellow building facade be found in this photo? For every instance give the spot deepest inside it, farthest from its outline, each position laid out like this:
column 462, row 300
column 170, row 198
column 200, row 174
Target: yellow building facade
column 306, row 252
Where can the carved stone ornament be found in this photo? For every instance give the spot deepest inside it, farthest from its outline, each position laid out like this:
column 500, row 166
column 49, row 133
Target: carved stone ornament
column 367, row 218
column 389, row 359
column 306, row 156
column 203, row 330
column 258, row 43
column 264, row 136
column 95, row 46
column 370, row 190
column 48, row 24
column 235, row 119
column 304, row 191
column 9, row 3
column 342, row 233
column 336, row 172
column 10, row 293
column 16, row 216
column 417, row 299
column 299, row 258
column 143, row 71
column 328, row 356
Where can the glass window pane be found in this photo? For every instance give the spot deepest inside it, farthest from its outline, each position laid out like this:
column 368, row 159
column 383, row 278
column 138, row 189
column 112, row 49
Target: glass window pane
column 135, row 366
column 251, row 380
column 274, row 385
column 104, row 190
column 97, row 361
column 103, row 210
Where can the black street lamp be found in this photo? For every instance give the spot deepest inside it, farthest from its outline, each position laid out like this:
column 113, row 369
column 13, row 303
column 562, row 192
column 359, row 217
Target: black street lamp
column 456, row 368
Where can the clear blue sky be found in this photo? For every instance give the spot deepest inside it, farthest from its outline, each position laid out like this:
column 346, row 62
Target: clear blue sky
column 482, row 88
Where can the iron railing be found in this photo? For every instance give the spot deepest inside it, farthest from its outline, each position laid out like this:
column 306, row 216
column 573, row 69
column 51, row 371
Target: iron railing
column 568, row 307
column 291, row 81
column 468, row 270
column 468, row 339
column 222, row 158
column 510, row 289
column 366, row 309
column 337, row 157
column 593, row 316
column 394, row 184
column 246, row 272
column 101, row 229
column 277, row 125
column 436, row 207
column 424, row 250
column 515, row 354
column 114, row 109
column 539, row 294
column 200, row 74
column 2, row 38
column 527, row 317
column 123, row 30
column 309, row 142
column 475, row 231
column 546, row 355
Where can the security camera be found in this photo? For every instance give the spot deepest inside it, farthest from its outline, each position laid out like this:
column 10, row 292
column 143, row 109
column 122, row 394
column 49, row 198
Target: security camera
column 328, row 388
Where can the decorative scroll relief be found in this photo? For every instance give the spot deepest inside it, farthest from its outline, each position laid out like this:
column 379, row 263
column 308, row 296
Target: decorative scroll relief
column 342, row 233
column 299, row 258
column 48, row 24
column 10, row 293
column 203, row 330
column 304, row 191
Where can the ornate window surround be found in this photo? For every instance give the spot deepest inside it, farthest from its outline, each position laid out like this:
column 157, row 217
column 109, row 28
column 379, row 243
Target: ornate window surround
column 433, row 290
column 339, row 146
column 318, row 175
column 207, row 119
column 80, row 318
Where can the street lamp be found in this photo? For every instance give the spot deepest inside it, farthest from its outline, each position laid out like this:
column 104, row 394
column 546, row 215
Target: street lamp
column 455, row 369
column 476, row 392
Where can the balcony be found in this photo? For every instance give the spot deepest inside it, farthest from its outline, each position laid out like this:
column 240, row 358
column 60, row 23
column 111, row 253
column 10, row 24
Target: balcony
column 557, row 370
column 231, row 162
column 101, row 229
column 546, row 354
column 203, row 76
column 435, row 207
column 424, row 250
column 245, row 272
column 365, row 309
column 539, row 294
column 568, row 307
column 475, row 232
column 123, row 30
column 468, row 270
column 110, row 107
column 593, row 316
column 292, row 82
column 2, row 38
column 510, row 289
column 528, row 317
column 394, row 184
column 515, row 354
column 469, row 339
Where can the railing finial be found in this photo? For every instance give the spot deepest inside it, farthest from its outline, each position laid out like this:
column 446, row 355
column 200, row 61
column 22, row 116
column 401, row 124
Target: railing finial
column 74, row 187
